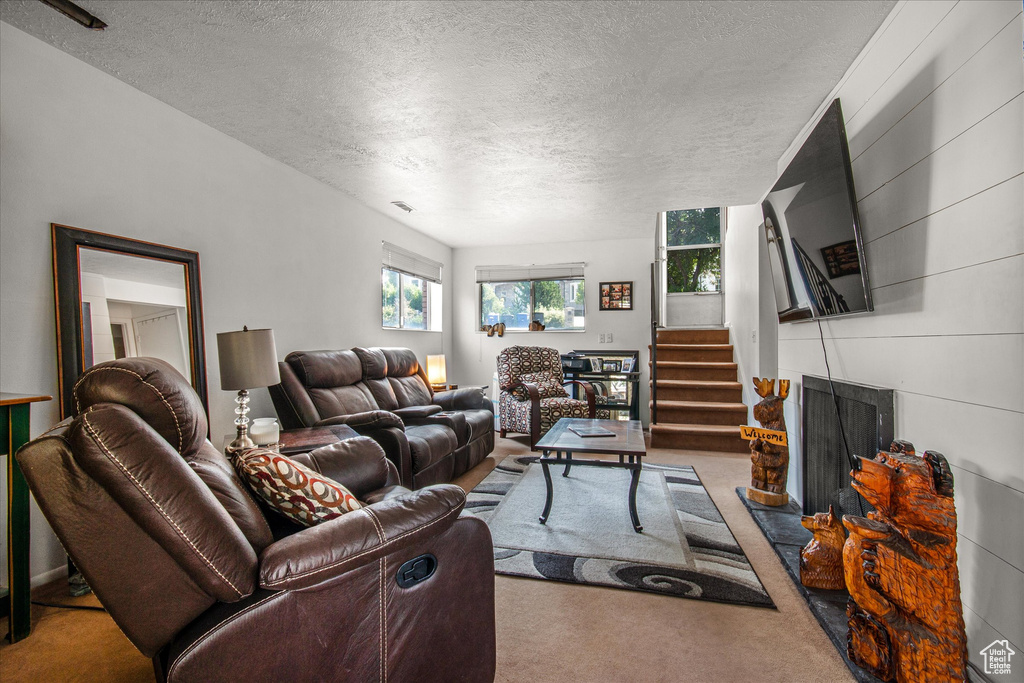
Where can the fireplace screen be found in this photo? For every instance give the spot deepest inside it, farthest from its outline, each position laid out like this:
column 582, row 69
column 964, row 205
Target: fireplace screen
column 867, row 417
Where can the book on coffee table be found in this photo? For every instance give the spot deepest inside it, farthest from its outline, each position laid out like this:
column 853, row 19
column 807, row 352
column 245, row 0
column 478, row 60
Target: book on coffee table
column 586, row 431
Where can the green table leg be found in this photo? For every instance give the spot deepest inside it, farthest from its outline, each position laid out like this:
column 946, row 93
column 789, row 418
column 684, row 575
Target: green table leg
column 14, row 431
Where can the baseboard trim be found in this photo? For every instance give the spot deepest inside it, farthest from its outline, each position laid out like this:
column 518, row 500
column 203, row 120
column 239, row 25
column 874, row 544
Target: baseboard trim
column 47, row 577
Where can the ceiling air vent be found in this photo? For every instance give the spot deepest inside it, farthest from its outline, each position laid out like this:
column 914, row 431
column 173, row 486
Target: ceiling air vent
column 403, row 206
column 73, row 11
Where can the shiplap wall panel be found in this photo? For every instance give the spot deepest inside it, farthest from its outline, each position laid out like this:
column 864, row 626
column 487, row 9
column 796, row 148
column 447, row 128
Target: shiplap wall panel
column 966, row 301
column 934, row 112
column 978, row 631
column 982, row 501
column 992, row 588
column 937, row 242
column 972, row 92
column 990, row 447
column 973, row 368
column 897, row 42
column 983, row 156
column 959, row 34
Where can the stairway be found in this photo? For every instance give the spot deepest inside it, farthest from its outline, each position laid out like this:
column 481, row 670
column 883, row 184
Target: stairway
column 699, row 400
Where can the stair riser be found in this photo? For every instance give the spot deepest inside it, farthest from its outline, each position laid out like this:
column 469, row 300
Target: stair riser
column 693, row 336
column 705, row 374
column 696, row 355
column 695, row 394
column 697, row 416
column 699, row 442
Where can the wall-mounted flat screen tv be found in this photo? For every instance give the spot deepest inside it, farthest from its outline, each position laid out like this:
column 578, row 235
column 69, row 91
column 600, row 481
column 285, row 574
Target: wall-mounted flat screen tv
column 813, row 229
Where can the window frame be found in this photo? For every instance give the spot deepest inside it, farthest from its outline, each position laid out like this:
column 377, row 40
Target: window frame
column 400, row 301
column 532, row 306
column 722, row 215
column 406, row 263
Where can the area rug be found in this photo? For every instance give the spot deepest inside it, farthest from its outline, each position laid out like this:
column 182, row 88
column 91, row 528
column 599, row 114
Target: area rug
column 685, row 550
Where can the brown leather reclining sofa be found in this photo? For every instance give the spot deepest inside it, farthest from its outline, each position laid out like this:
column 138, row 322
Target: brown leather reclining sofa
column 383, row 393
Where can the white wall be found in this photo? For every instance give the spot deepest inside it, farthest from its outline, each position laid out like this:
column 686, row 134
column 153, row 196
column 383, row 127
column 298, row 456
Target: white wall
column 751, row 332
column 277, row 249
column 471, row 359
column 934, row 113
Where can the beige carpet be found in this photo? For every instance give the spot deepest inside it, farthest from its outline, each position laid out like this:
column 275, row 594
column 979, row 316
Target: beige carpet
column 547, row 631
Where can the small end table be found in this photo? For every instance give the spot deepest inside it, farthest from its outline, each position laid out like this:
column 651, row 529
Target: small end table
column 305, row 439
column 309, row 438
column 14, row 433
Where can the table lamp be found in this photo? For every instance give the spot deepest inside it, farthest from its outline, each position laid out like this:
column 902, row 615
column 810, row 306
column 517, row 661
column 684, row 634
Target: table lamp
column 248, row 359
column 437, row 375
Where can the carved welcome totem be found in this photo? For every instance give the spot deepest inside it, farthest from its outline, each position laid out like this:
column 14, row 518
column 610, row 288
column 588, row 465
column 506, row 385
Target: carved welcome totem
column 769, row 463
column 905, row 617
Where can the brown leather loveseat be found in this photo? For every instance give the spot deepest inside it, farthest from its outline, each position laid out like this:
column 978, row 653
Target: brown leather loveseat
column 185, row 562
column 383, row 393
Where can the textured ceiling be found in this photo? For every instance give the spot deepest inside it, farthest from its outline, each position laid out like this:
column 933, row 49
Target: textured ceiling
column 499, row 122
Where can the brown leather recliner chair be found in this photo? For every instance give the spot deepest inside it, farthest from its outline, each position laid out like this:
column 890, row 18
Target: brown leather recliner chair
column 184, row 560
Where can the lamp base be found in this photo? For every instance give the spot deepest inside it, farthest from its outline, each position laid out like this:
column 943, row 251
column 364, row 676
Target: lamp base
column 241, row 443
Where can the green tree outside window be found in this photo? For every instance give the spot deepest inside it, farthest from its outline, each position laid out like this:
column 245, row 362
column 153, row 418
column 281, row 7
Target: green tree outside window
column 694, row 269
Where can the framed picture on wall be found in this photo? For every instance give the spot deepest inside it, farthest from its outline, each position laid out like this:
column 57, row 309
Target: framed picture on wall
column 616, row 296
column 841, row 259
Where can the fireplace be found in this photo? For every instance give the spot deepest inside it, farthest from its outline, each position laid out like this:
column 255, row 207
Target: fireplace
column 867, row 417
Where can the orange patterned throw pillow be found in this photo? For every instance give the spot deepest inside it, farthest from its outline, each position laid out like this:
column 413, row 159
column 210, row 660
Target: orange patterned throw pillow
column 297, row 492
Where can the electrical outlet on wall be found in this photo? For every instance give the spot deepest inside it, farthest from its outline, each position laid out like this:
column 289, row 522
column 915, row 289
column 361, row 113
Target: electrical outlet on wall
column 610, row 337
column 753, row 336
column 601, row 338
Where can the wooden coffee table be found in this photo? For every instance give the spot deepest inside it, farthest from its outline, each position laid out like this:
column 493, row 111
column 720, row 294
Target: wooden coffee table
column 627, row 443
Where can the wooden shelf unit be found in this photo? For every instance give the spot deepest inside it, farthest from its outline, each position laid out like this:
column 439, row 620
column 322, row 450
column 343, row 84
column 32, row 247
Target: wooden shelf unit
column 620, row 390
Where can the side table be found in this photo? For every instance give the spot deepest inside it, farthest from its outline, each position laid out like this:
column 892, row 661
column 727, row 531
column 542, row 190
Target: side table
column 14, row 433
column 306, row 439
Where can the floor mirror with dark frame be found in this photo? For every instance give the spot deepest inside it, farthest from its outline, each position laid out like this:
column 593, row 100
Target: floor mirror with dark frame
column 117, row 297
column 141, row 275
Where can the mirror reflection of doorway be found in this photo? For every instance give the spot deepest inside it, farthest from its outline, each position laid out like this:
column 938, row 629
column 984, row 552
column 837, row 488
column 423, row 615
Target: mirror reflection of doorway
column 121, row 336
column 159, row 335
column 136, row 307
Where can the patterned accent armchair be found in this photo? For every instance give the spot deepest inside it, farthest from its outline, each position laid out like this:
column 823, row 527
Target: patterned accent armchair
column 532, row 396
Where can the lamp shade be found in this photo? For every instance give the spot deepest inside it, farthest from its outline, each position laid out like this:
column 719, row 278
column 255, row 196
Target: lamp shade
column 248, row 359
column 436, row 371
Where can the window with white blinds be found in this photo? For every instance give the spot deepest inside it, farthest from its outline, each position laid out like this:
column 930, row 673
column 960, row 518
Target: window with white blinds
column 553, row 271
column 551, row 295
column 410, row 287
column 402, row 260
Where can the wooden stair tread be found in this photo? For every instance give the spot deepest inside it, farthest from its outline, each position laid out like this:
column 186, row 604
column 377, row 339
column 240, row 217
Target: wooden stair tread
column 702, row 405
column 694, row 364
column 697, row 384
column 695, row 347
column 724, row 430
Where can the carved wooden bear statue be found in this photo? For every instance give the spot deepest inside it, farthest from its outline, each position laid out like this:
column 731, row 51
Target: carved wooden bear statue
column 821, row 560
column 905, row 617
column 769, row 462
